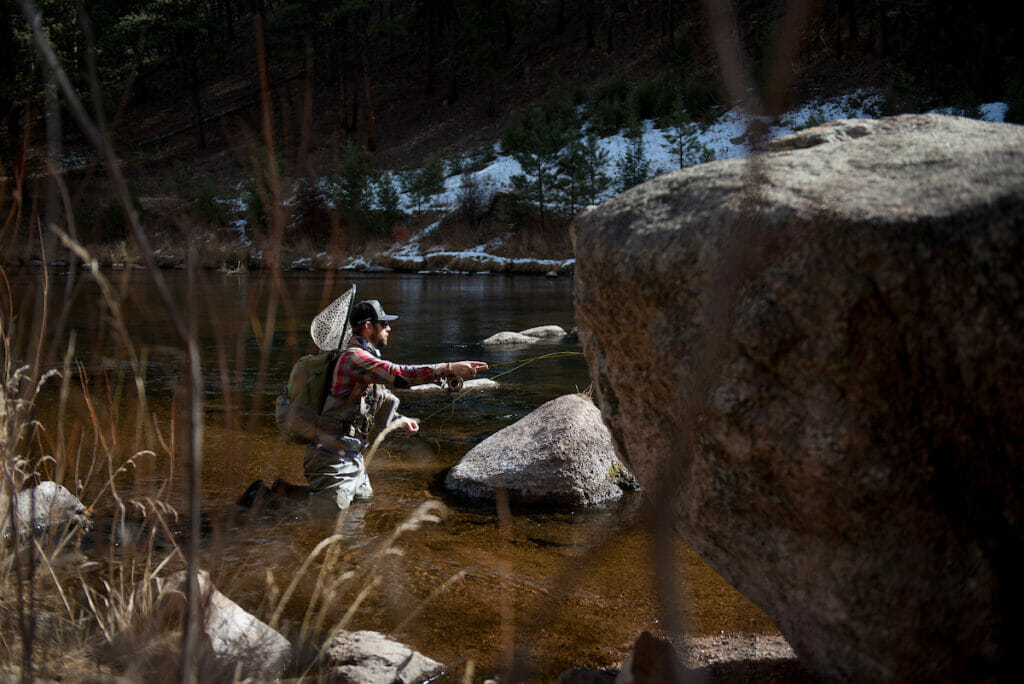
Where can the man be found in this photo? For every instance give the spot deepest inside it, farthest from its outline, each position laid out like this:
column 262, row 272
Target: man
column 357, row 400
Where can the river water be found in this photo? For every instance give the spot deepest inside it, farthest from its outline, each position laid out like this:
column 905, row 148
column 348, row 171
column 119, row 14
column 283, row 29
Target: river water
column 482, row 587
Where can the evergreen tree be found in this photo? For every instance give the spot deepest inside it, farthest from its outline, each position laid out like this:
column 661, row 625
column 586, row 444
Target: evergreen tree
column 425, row 182
column 311, row 218
column 633, row 166
column 350, row 184
column 595, row 181
column 388, row 201
column 581, row 177
column 682, row 139
column 536, row 141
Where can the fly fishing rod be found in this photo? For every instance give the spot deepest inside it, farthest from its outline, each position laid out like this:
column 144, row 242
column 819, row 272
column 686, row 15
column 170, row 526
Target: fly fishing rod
column 455, row 384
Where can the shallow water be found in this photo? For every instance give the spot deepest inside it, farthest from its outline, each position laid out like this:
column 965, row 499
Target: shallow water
column 558, row 588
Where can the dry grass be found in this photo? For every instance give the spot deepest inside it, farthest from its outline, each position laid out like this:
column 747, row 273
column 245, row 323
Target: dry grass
column 72, row 613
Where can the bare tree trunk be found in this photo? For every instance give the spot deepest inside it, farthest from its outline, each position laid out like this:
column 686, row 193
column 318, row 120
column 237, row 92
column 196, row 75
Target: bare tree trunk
column 371, row 139
column 882, row 37
column 609, row 26
column 588, row 6
column 453, row 84
column 191, row 65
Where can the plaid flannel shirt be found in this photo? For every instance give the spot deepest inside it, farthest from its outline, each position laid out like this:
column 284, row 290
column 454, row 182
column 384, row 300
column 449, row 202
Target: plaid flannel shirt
column 360, row 366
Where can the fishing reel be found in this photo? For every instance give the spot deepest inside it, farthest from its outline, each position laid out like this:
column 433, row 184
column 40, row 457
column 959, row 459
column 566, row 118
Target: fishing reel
column 452, row 383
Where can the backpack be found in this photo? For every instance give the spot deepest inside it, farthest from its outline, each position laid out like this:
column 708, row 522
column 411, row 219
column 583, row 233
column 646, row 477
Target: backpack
column 300, row 403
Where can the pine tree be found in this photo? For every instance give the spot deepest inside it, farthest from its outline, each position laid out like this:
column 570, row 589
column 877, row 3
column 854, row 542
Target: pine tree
column 351, row 182
column 633, row 166
column 682, row 139
column 425, row 182
column 388, row 199
column 536, row 142
column 595, row 181
column 581, row 177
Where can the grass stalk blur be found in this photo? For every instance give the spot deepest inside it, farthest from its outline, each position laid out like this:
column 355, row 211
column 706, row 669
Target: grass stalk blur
column 74, row 609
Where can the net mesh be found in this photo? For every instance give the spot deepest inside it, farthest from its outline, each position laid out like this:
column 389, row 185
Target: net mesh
column 330, row 328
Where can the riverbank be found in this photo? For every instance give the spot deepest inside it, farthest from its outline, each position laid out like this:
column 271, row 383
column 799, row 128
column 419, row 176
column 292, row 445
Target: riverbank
column 442, row 262
column 412, row 255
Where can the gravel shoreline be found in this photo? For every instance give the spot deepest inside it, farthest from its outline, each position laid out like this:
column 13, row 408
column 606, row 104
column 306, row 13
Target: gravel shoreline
column 720, row 659
column 741, row 658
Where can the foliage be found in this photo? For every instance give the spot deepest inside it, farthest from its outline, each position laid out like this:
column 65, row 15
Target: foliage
column 535, row 140
column 815, row 118
column 609, row 108
column 581, row 178
column 682, row 139
column 654, row 98
column 902, row 94
column 112, row 224
column 255, row 199
column 262, row 194
column 198, row 197
column 106, row 223
column 633, row 167
column 424, row 182
column 485, row 34
column 388, row 202
column 351, row 182
column 476, row 159
column 472, row 200
column 481, row 155
column 455, row 165
column 311, row 216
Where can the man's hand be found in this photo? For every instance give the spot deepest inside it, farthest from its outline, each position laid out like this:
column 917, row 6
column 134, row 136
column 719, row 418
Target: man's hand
column 467, row 369
column 410, row 425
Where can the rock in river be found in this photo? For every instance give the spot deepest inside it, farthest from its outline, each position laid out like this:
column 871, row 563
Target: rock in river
column 232, row 640
column 561, row 453
column 366, row 657
column 45, row 508
column 822, row 378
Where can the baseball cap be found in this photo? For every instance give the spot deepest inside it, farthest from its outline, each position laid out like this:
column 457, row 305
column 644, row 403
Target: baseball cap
column 369, row 310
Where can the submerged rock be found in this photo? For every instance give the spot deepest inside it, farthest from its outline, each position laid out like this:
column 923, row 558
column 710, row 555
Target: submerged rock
column 560, row 453
column 823, row 382
column 366, row 657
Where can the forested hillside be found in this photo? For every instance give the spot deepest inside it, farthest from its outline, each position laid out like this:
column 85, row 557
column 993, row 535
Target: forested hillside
column 198, row 95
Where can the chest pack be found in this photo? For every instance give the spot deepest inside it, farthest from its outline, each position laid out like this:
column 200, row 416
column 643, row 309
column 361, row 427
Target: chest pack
column 299, row 406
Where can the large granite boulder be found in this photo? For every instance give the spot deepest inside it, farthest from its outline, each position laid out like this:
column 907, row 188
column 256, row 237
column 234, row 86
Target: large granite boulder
column 561, row 453
column 367, row 657
column 814, row 357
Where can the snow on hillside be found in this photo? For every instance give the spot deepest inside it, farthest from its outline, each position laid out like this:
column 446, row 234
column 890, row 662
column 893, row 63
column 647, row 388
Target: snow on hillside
column 725, row 138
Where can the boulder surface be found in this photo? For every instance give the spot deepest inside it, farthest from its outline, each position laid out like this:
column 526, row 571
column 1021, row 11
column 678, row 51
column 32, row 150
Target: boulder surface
column 822, row 382
column 561, row 453
column 366, row 657
column 233, row 640
column 47, row 507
